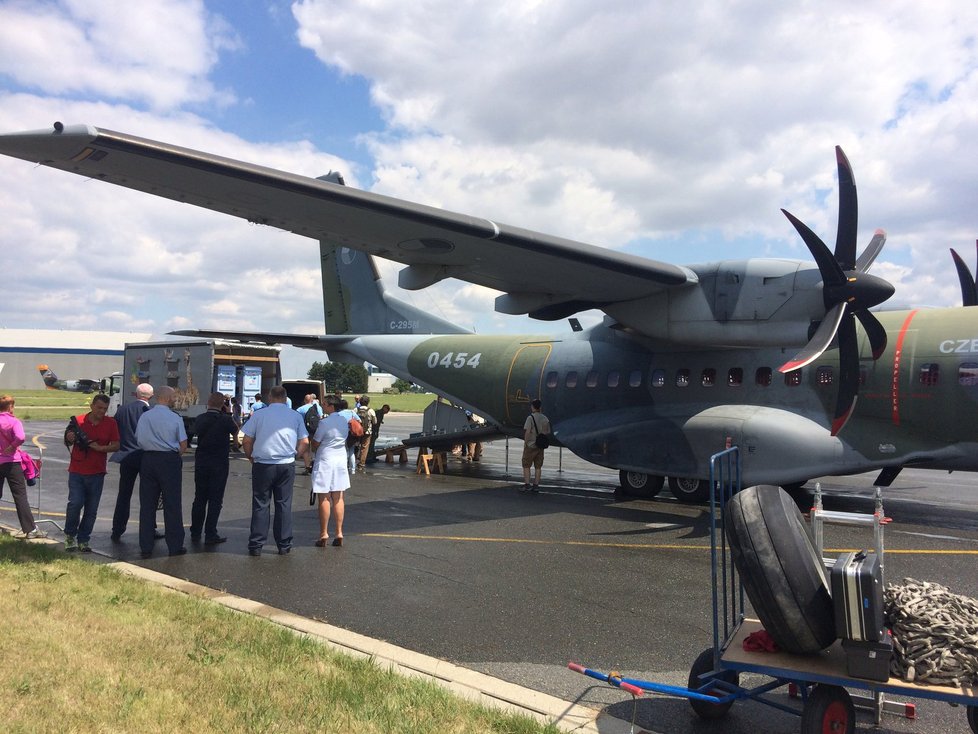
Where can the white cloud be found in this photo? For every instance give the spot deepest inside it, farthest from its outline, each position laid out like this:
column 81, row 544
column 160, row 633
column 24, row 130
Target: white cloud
column 158, row 52
column 614, row 122
column 674, row 130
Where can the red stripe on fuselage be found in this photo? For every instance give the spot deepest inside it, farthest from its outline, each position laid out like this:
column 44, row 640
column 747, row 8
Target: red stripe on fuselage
column 897, row 356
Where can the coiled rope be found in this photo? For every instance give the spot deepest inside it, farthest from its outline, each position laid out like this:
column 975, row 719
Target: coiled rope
column 935, row 634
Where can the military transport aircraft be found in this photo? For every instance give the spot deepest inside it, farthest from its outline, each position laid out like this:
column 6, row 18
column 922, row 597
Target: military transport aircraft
column 764, row 354
column 51, row 382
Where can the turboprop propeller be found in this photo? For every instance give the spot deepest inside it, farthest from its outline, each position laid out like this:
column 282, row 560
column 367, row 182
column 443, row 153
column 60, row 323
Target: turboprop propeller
column 969, row 291
column 848, row 292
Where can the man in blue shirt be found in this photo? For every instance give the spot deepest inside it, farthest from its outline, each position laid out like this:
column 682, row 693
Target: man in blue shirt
column 273, row 437
column 161, row 436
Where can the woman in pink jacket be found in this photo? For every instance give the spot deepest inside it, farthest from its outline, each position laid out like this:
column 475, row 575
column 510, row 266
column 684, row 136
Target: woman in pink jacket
column 11, row 471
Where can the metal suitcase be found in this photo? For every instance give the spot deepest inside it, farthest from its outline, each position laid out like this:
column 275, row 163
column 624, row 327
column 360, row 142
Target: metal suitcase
column 857, row 597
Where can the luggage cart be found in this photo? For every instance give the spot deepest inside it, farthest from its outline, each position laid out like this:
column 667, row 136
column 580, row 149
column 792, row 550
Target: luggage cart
column 820, row 681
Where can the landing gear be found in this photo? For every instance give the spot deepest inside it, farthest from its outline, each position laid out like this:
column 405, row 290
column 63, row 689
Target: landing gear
column 793, row 488
column 637, row 484
column 973, row 718
column 685, row 489
column 828, row 709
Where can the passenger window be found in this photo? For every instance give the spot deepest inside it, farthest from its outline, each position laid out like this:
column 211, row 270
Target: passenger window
column 614, row 378
column 735, row 377
column 930, row 374
column 968, row 374
column 551, row 380
column 793, row 378
column 592, row 379
column 571, row 380
column 763, row 376
column 658, row 378
column 635, row 378
column 824, row 376
column 709, row 377
column 682, row 378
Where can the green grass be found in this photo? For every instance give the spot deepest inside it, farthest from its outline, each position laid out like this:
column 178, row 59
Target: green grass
column 52, row 405
column 48, row 405
column 86, row 648
column 403, row 403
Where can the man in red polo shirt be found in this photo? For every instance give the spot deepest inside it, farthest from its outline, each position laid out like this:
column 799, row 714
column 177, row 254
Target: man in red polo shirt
column 92, row 438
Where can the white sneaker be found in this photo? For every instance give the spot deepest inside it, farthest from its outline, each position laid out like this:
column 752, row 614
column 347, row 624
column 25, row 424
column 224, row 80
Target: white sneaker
column 35, row 533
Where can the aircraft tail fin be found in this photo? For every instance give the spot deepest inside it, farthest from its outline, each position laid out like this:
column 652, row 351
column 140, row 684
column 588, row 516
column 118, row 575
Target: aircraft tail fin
column 50, row 379
column 355, row 302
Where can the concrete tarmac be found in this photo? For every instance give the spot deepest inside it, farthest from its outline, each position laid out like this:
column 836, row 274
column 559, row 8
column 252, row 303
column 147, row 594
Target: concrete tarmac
column 464, row 568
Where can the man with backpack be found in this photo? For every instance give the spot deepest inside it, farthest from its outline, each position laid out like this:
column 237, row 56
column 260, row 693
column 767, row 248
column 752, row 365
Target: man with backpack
column 311, row 413
column 369, row 420
column 536, row 438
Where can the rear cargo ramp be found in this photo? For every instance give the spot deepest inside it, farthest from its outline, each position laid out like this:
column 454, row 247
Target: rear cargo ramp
column 781, row 572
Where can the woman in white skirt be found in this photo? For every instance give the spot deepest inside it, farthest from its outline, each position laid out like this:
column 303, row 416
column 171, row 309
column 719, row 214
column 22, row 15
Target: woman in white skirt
column 330, row 475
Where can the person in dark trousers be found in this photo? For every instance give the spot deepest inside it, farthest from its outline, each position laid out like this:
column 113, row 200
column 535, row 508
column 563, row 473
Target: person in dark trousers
column 381, row 414
column 11, row 470
column 273, row 438
column 163, row 438
column 215, row 431
column 92, row 437
column 128, row 456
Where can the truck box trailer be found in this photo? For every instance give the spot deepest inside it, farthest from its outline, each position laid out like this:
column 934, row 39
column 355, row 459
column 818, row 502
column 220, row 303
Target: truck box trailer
column 196, row 368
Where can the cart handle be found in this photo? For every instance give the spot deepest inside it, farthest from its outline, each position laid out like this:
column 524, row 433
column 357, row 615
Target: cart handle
column 611, row 679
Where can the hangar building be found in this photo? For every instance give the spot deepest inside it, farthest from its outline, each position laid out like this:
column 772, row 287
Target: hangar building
column 69, row 354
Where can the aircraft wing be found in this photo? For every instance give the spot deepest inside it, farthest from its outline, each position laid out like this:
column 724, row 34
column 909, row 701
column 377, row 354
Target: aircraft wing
column 309, row 341
column 544, row 276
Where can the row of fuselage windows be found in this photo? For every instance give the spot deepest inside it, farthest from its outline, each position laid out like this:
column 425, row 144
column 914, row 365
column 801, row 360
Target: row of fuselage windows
column 928, row 375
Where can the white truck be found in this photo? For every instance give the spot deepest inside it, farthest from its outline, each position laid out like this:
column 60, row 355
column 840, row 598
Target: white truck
column 196, row 368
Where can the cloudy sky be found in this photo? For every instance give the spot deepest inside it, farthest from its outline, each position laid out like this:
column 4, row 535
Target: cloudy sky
column 673, row 130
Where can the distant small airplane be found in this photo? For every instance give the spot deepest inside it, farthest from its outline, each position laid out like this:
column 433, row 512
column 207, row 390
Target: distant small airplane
column 52, row 382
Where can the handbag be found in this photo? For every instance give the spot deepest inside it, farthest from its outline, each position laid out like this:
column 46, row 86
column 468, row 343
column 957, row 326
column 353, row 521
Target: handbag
column 542, row 440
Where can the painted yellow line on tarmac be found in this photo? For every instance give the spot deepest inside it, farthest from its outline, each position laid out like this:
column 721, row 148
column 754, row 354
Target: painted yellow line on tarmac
column 641, row 546
column 33, row 511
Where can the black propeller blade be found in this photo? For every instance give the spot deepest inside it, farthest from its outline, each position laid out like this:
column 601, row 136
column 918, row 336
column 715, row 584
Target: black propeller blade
column 969, row 291
column 848, row 292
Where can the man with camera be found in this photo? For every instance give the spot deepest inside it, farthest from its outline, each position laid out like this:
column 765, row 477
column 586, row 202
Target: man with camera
column 91, row 438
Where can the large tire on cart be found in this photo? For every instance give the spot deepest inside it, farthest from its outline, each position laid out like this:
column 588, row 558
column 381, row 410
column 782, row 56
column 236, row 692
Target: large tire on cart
column 686, row 489
column 973, row 718
column 829, row 710
column 781, row 572
column 705, row 709
column 637, row 484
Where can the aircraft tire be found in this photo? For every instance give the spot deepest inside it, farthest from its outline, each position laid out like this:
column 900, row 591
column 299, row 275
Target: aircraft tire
column 973, row 718
column 780, row 570
column 689, row 490
column 637, row 484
